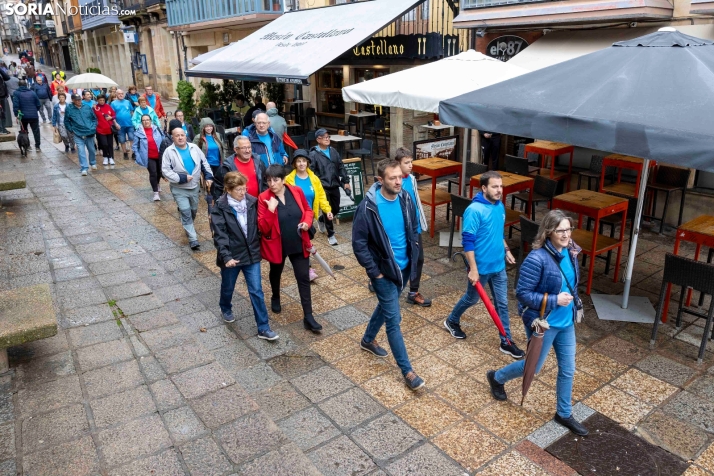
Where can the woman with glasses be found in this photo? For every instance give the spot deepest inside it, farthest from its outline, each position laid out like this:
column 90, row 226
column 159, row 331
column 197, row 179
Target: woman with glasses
column 235, row 224
column 284, row 217
column 549, row 275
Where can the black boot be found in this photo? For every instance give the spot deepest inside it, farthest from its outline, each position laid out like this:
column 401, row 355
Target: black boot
column 311, row 324
column 275, row 305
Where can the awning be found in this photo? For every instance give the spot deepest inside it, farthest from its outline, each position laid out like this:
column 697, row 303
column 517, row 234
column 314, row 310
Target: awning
column 421, row 88
column 203, row 57
column 559, row 46
column 292, row 47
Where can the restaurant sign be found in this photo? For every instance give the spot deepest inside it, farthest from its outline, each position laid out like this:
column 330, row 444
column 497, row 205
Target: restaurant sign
column 425, row 46
column 505, row 47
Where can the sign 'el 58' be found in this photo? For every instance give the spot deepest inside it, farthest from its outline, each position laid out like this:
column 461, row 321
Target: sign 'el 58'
column 505, row 47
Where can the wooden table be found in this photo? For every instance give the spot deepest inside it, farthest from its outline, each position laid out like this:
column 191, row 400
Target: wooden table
column 622, row 162
column 512, row 183
column 594, row 205
column 435, row 167
column 551, row 149
column 699, row 231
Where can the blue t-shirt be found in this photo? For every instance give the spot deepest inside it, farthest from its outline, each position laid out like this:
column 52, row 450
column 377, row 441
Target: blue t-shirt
column 123, row 109
column 326, row 152
column 89, row 103
column 152, row 101
column 306, row 186
column 213, row 153
column 188, row 162
column 482, row 233
column 390, row 211
column 268, row 141
column 562, row 316
column 409, row 187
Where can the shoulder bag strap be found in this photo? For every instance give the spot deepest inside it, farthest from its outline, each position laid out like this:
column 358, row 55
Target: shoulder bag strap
column 570, row 288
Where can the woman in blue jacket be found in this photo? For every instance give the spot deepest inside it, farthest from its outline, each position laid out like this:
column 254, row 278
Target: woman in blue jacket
column 550, row 274
column 147, row 149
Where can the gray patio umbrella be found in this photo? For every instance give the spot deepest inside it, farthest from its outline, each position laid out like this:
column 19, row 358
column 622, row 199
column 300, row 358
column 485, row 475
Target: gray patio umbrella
column 650, row 97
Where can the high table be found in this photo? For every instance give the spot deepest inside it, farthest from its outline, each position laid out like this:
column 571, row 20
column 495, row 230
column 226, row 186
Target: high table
column 438, row 130
column 699, row 231
column 594, row 205
column 552, row 149
column 435, row 167
column 360, row 116
column 341, row 141
column 512, row 183
column 621, row 162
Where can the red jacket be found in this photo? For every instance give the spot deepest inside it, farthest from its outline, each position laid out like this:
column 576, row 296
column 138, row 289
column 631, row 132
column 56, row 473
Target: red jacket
column 104, row 126
column 271, row 248
column 159, row 109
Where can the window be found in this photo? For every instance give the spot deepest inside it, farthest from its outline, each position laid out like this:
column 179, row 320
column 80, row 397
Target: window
column 423, row 10
column 329, row 91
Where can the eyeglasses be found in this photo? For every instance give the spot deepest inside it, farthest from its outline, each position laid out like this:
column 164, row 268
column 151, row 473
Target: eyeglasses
column 567, row 231
column 240, row 189
column 324, row 137
column 247, row 147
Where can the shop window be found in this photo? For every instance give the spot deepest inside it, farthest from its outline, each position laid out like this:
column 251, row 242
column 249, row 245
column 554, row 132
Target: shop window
column 330, row 106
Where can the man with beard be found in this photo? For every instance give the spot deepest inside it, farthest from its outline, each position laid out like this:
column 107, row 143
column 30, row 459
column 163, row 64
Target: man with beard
column 487, row 252
column 385, row 242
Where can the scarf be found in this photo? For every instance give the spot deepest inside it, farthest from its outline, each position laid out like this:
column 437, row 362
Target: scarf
column 241, row 210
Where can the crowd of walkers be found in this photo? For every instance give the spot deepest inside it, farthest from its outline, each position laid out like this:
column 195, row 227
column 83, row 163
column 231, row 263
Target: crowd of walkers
column 264, row 205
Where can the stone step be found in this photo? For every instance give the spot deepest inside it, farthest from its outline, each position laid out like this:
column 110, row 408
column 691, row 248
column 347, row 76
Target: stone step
column 7, row 137
column 26, row 315
column 12, row 181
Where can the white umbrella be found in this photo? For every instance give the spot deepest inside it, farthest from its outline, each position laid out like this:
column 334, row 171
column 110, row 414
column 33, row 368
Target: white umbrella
column 421, row 88
column 90, row 80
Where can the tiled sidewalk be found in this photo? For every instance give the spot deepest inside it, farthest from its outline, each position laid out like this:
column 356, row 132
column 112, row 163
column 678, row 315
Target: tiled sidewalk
column 145, row 376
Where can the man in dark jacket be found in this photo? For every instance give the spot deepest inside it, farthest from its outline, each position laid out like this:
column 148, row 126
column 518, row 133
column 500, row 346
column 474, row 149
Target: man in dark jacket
column 4, row 93
column 24, row 100
column 242, row 161
column 385, row 242
column 267, row 146
column 491, row 143
column 327, row 164
column 81, row 121
column 44, row 94
column 235, row 224
column 187, row 127
column 249, row 116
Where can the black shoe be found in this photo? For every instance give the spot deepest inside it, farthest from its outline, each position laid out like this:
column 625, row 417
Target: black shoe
column 370, row 287
column 195, row 245
column 126, row 156
column 418, row 299
column 571, row 424
column 116, row 148
column 66, row 149
column 454, row 329
column 73, row 150
column 4, row 131
column 37, row 148
column 275, row 305
column 497, row 390
column 373, row 348
column 311, row 324
column 133, row 156
column 512, row 350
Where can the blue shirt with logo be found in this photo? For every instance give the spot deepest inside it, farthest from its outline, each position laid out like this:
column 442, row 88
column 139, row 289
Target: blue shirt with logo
column 390, row 212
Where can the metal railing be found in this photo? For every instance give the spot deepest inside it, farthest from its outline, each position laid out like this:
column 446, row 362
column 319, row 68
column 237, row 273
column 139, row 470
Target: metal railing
column 466, row 4
column 183, row 12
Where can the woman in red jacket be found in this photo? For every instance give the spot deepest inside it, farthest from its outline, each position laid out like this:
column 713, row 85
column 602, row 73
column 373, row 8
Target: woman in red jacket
column 105, row 134
column 284, row 217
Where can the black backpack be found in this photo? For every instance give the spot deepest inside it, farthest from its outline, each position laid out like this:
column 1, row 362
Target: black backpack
column 165, row 142
column 3, row 89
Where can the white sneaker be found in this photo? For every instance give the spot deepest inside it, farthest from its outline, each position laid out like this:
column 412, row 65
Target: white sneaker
column 332, row 240
column 84, row 173
column 106, row 161
column 94, row 167
column 111, row 162
column 157, row 198
column 320, row 226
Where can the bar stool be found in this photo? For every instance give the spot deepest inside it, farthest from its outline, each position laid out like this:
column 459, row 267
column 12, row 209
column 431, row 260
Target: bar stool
column 529, row 231
column 459, row 205
column 668, row 180
column 472, row 168
column 543, row 191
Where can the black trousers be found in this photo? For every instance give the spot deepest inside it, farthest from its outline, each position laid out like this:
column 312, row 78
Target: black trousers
column 301, row 268
column 154, row 167
column 35, row 126
column 491, row 151
column 106, row 145
column 333, row 196
column 414, row 285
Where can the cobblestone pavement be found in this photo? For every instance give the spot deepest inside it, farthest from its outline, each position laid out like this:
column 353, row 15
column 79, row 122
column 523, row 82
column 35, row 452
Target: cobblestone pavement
column 145, row 378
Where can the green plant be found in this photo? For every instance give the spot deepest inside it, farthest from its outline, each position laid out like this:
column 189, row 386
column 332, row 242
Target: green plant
column 94, row 70
column 276, row 93
column 229, row 91
column 210, row 96
column 186, row 103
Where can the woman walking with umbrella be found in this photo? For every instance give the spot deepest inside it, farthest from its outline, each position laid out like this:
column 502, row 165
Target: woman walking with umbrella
column 548, row 282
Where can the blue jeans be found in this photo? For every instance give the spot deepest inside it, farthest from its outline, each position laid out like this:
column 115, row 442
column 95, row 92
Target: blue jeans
column 562, row 339
column 498, row 283
column 251, row 272
column 87, row 142
column 387, row 312
column 187, row 202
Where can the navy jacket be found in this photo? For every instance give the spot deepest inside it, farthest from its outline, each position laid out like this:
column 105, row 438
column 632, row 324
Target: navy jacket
column 43, row 90
column 26, row 101
column 261, row 152
column 539, row 274
column 370, row 242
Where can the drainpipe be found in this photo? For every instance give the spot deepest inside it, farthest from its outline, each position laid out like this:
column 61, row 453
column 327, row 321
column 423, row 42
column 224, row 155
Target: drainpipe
column 178, row 56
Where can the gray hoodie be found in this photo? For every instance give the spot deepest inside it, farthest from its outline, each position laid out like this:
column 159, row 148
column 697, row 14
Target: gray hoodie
column 277, row 122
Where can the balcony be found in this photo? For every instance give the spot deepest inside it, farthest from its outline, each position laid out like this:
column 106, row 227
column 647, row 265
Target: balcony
column 204, row 14
column 703, row 7
column 91, row 22
column 495, row 14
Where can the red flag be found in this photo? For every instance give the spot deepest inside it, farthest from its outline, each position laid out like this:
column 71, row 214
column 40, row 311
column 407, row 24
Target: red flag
column 288, row 141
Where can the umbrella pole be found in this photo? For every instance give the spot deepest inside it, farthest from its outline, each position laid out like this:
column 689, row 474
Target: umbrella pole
column 635, row 235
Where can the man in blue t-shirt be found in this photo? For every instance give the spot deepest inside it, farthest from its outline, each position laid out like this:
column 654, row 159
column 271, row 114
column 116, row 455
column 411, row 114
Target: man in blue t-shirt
column 124, row 110
column 385, row 242
column 487, row 252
